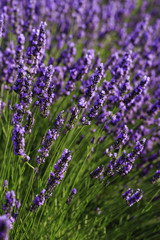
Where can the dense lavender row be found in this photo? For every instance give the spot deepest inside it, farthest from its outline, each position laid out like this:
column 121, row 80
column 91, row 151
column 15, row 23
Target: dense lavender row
column 84, row 76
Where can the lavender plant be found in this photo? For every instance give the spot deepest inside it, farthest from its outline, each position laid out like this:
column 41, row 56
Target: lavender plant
column 79, row 119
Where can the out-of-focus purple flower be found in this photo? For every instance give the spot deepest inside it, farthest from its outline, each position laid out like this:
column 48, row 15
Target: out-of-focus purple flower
column 89, row 90
column 36, row 47
column 129, row 98
column 127, row 193
column 29, row 122
column 136, row 197
column 31, row 54
column 29, row 16
column 49, row 138
column 124, row 164
column 1, row 25
column 10, row 202
column 18, row 114
column 122, row 68
column 74, row 191
column 155, row 177
column 98, row 210
column 20, row 48
column 44, row 89
column 5, row 185
column 73, row 117
column 4, row 227
column 71, row 196
column 97, row 172
column 67, row 56
column 93, row 111
column 154, row 108
column 2, row 105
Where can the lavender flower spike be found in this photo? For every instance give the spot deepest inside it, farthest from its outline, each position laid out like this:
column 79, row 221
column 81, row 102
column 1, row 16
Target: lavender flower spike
column 128, row 193
column 1, row 25
column 136, row 197
column 19, row 142
column 20, row 48
column 54, row 179
column 71, row 196
column 10, row 202
column 8, row 207
column 5, row 185
column 156, row 177
column 38, row 201
column 97, row 172
column 57, row 176
column 4, row 227
column 49, row 138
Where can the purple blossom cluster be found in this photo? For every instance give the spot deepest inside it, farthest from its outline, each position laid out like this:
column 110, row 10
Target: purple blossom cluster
column 19, row 142
column 4, row 227
column 71, row 196
column 38, row 201
column 156, row 176
column 54, row 179
column 44, row 89
column 10, row 215
column 124, row 164
column 58, row 174
column 97, row 172
column 132, row 198
column 89, row 90
column 49, row 138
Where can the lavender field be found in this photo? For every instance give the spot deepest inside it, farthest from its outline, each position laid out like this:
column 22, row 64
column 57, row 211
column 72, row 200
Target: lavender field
column 79, row 120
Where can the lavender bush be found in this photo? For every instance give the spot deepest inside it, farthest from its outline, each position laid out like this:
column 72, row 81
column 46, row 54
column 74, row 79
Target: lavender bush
column 79, row 119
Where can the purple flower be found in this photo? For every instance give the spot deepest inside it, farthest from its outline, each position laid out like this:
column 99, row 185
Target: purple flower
column 49, row 138
column 122, row 68
column 127, row 193
column 4, row 227
column 31, row 54
column 71, row 196
column 20, row 78
column 44, row 89
column 136, row 197
column 1, row 25
column 20, row 48
column 8, row 207
column 57, row 176
column 154, row 108
column 90, row 89
column 93, row 111
column 97, row 172
column 98, row 210
column 38, row 201
column 73, row 117
column 19, row 142
column 29, row 12
column 129, row 98
column 122, row 138
column 36, row 47
column 18, row 114
column 54, row 179
column 155, row 177
column 10, row 202
column 5, row 185
column 74, row 191
column 29, row 122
